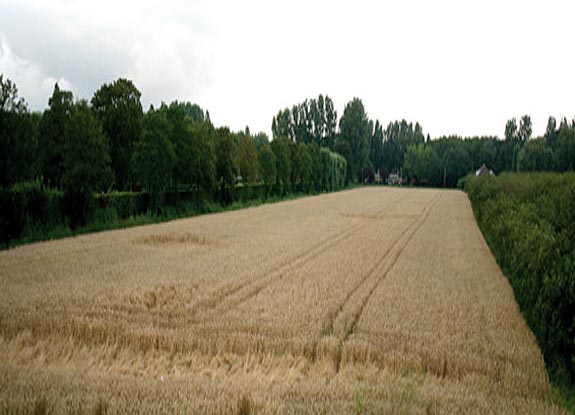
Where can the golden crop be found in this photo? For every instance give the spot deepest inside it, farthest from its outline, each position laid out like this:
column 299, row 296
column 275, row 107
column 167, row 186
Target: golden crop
column 375, row 300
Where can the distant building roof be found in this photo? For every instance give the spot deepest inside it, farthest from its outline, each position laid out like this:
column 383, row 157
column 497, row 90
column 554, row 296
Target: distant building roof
column 394, row 179
column 484, row 170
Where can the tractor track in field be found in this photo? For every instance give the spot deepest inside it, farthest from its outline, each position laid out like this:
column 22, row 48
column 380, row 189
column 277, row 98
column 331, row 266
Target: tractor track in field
column 208, row 303
column 277, row 273
column 252, row 285
column 395, row 252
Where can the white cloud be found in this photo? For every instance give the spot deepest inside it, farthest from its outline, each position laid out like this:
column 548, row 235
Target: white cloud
column 33, row 83
column 165, row 51
column 163, row 67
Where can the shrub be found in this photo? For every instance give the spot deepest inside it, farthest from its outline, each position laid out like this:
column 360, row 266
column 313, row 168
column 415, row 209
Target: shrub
column 28, row 207
column 529, row 222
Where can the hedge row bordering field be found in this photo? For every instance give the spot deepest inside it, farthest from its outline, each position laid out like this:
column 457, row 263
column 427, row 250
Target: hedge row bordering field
column 30, row 210
column 529, row 222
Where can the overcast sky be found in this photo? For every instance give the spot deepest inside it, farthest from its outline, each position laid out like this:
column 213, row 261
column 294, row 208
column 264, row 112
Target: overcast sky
column 457, row 67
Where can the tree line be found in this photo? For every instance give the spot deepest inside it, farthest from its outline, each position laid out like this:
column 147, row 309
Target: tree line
column 442, row 162
column 402, row 148
column 84, row 148
column 110, row 143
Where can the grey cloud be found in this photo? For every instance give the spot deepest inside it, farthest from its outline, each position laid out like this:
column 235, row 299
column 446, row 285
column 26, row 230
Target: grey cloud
column 164, row 52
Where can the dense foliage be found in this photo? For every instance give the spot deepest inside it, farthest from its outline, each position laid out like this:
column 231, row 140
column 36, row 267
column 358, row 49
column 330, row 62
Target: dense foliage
column 310, row 121
column 82, row 160
column 529, row 222
column 354, row 140
column 18, row 136
column 119, row 108
column 448, row 159
column 86, row 163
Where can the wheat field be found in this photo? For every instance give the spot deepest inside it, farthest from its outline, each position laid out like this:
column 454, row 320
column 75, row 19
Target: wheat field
column 373, row 300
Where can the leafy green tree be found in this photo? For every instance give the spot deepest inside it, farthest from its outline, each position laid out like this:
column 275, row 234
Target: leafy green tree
column 356, row 129
column 525, row 129
column 18, row 136
column 225, row 167
column 207, row 119
column 313, row 120
column 281, row 148
column 261, row 140
column 317, row 114
column 330, row 117
column 154, row 157
column 328, row 173
column 551, row 133
column 334, row 170
column 514, row 138
column 376, row 151
column 434, row 168
column 416, row 163
column 418, row 137
column 191, row 138
column 565, row 153
column 248, row 160
column 551, row 127
column 119, row 108
column 506, row 158
column 268, row 170
column 200, row 162
column 551, row 139
column 482, row 150
column 28, row 149
column 53, row 135
column 178, row 132
column 511, row 130
column 295, row 168
column 86, row 157
column 301, row 126
column 306, row 168
column 391, row 148
column 459, row 166
column 454, row 159
column 343, row 148
column 302, row 168
column 535, row 156
column 317, row 170
column 9, row 99
column 282, row 125
column 396, row 138
column 194, row 112
column 86, row 162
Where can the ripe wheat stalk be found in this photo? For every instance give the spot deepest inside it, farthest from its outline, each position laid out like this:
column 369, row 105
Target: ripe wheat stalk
column 374, row 300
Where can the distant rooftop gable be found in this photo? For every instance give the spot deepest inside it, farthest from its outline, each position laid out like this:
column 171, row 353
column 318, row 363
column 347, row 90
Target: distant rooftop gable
column 484, row 170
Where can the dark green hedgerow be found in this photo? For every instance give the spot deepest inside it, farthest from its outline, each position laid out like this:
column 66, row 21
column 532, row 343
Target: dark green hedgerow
column 529, row 222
